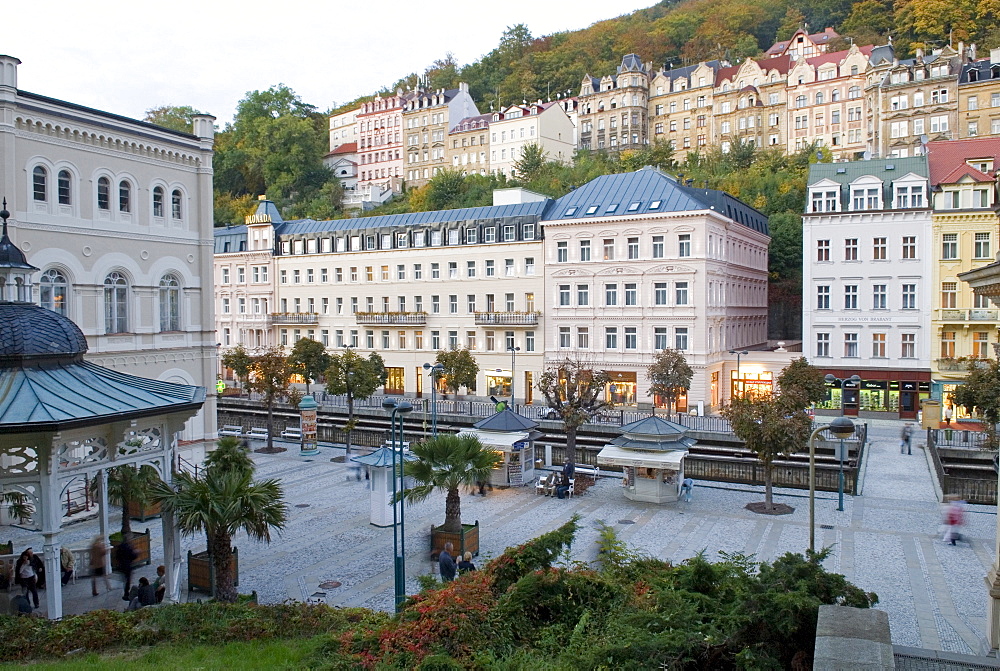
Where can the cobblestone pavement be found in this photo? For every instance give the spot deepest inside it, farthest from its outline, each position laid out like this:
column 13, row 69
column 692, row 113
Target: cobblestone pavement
column 886, row 540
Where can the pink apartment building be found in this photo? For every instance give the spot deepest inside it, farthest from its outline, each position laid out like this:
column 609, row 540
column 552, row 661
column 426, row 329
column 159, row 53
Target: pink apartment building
column 380, row 142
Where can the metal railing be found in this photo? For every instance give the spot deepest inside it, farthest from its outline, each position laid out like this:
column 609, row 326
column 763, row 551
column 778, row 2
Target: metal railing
column 506, row 318
column 392, row 318
column 972, row 489
column 295, row 318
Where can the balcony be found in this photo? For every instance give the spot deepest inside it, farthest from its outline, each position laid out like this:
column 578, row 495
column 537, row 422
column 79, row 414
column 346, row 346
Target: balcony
column 507, row 318
column 251, row 320
column 294, row 318
column 392, row 318
column 960, row 364
column 981, row 315
column 952, row 315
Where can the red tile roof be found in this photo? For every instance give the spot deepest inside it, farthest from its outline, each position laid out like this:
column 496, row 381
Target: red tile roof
column 837, row 56
column 946, row 157
column 346, row 148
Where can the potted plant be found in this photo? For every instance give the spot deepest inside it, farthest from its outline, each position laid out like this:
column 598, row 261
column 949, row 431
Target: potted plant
column 449, row 462
column 223, row 500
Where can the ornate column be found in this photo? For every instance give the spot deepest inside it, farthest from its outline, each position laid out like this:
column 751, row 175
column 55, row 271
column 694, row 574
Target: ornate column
column 51, row 520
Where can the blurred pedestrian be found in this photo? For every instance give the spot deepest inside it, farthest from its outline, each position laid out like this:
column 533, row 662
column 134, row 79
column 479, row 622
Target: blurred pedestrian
column 126, row 554
column 687, row 486
column 954, row 517
column 948, row 412
column 906, row 438
column 98, row 564
column 27, row 578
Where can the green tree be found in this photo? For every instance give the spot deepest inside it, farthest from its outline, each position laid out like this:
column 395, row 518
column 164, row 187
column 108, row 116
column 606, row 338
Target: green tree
column 309, row 359
column 222, row 501
column 575, row 392
column 531, row 161
column 803, row 380
column 357, row 378
column 239, row 361
column 460, row 369
column 981, row 394
column 770, row 427
column 448, row 462
column 669, row 376
column 172, row 117
column 269, row 376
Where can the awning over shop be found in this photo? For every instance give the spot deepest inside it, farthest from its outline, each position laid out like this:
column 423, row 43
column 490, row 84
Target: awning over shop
column 616, row 456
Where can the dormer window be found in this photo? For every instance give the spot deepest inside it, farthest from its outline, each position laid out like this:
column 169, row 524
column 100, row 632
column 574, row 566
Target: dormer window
column 655, row 205
column 865, row 198
column 592, row 209
column 909, row 196
column 823, row 200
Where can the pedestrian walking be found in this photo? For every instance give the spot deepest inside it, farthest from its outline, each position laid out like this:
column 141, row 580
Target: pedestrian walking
column 948, row 412
column 954, row 516
column 126, row 555
column 26, row 577
column 98, row 565
column 906, row 438
column 466, row 564
column 687, row 486
column 446, row 563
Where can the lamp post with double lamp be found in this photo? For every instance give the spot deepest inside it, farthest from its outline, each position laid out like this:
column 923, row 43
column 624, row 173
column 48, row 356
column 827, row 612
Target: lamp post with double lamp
column 395, row 405
column 840, row 427
column 434, row 371
column 513, row 357
column 856, row 381
column 738, row 353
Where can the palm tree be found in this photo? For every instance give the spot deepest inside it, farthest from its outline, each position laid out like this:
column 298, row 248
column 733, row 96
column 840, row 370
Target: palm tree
column 128, row 484
column 222, row 501
column 448, row 462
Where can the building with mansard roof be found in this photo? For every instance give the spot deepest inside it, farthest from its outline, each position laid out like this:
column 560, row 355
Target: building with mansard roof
column 622, row 267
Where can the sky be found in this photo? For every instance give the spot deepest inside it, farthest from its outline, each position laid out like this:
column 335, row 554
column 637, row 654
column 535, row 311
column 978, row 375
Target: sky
column 127, row 57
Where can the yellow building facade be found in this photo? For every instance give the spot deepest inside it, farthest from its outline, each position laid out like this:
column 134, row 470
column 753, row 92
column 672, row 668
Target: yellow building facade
column 966, row 233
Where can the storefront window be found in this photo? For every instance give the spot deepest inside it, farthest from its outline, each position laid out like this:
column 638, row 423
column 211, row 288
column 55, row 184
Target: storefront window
column 754, row 384
column 621, row 390
column 497, row 385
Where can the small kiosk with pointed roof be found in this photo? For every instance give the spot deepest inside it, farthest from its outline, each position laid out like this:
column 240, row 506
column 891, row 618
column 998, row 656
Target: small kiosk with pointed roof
column 380, row 462
column 514, row 437
column 651, row 453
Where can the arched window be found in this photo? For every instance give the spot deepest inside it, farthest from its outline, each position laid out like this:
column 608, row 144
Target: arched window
column 800, row 101
column 158, row 201
column 124, row 196
column 39, row 180
column 104, row 193
column 175, row 204
column 53, row 291
column 819, row 98
column 115, row 303
column 170, row 303
column 64, row 180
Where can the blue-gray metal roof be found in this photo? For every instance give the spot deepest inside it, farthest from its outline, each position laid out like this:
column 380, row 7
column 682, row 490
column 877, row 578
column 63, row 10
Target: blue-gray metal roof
column 70, row 394
column 28, row 330
column 382, row 458
column 236, row 236
column 506, row 420
column 654, row 426
column 649, row 191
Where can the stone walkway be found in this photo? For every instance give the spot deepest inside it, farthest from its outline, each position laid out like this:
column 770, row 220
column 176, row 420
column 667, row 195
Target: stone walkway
column 886, row 540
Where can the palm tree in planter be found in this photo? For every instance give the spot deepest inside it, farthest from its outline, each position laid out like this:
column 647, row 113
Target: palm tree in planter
column 222, row 501
column 448, row 462
column 130, row 487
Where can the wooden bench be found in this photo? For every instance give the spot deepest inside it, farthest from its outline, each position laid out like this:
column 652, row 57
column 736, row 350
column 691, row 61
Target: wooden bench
column 257, row 433
column 231, row 430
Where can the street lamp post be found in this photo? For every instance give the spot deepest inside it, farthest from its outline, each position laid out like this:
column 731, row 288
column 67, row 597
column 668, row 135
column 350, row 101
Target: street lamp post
column 856, row 381
column 398, row 515
column 840, row 427
column 738, row 353
column 434, row 371
column 513, row 357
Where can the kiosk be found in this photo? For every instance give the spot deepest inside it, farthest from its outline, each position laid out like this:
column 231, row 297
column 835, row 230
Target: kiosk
column 380, row 462
column 514, row 437
column 651, row 453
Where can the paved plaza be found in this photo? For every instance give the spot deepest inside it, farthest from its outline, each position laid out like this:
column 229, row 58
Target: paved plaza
column 886, row 540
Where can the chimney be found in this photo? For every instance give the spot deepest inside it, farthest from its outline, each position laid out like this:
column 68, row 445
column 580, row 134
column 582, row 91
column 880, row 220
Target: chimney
column 994, row 55
column 203, row 126
column 8, row 71
column 972, row 52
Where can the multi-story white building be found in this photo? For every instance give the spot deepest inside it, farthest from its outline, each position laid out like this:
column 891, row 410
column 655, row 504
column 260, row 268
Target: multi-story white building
column 343, row 128
column 117, row 215
column 866, row 282
column 629, row 264
column 543, row 124
column 636, row 263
